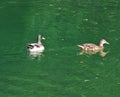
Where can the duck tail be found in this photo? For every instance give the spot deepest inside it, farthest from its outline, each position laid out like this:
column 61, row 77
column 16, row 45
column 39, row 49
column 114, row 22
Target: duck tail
column 81, row 46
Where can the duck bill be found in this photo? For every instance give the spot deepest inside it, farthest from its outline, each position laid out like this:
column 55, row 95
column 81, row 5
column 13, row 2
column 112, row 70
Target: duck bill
column 43, row 38
column 107, row 43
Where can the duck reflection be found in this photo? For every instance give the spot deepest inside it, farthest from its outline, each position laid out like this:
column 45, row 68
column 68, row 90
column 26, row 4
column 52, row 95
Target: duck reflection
column 35, row 55
column 90, row 52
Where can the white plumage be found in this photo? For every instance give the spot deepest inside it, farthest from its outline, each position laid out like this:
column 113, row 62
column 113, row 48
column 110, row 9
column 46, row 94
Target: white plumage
column 36, row 47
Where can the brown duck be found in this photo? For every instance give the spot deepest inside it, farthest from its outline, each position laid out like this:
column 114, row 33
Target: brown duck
column 93, row 47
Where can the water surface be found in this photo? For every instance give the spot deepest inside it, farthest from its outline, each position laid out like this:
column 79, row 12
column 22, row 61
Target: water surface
column 60, row 71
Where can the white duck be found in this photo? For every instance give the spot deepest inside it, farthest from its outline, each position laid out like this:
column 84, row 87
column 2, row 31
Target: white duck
column 36, row 47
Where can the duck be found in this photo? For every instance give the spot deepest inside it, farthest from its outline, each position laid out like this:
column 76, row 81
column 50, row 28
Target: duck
column 93, row 47
column 36, row 47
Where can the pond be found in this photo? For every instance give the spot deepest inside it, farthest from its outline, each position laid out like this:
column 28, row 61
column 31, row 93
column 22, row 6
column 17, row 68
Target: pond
column 60, row 71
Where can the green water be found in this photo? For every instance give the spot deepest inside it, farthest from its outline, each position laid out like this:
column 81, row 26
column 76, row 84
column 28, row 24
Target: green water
column 60, row 71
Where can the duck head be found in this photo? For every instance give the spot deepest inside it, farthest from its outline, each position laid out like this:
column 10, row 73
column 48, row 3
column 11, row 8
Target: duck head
column 40, row 38
column 103, row 41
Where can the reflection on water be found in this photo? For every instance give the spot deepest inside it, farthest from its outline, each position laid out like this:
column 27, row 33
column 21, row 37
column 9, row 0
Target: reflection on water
column 58, row 72
column 101, row 52
column 34, row 55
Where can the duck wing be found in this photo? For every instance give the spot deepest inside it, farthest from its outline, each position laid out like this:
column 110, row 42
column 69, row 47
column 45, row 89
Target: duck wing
column 30, row 46
column 89, row 45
